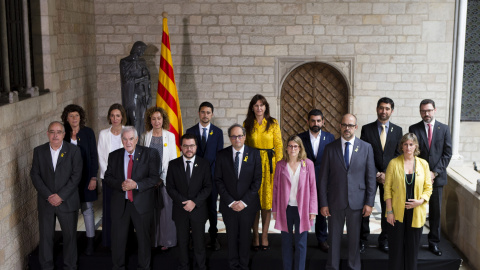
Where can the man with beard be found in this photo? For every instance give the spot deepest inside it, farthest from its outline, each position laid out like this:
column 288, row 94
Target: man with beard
column 314, row 141
column 384, row 137
column 189, row 184
column 435, row 145
column 347, row 190
column 211, row 141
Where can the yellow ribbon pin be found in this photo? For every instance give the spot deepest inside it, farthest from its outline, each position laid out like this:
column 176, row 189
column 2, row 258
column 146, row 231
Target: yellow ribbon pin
column 356, row 149
column 245, row 159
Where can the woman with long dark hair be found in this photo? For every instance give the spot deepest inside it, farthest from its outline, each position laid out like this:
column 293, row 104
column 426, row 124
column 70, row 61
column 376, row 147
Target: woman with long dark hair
column 73, row 117
column 263, row 133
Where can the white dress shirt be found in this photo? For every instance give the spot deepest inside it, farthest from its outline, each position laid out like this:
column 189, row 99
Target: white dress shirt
column 55, row 154
column 200, row 127
column 350, row 148
column 426, row 127
column 191, row 164
column 315, row 142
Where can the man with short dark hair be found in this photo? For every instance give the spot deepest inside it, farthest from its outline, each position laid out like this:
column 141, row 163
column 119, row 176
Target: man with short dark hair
column 210, row 139
column 238, row 175
column 435, row 145
column 384, row 137
column 189, row 184
column 132, row 172
column 315, row 141
column 56, row 172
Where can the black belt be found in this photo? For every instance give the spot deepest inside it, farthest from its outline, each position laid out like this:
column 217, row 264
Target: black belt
column 270, row 153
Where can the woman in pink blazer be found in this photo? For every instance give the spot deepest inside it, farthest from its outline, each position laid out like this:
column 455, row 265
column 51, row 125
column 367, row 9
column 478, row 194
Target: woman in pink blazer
column 294, row 201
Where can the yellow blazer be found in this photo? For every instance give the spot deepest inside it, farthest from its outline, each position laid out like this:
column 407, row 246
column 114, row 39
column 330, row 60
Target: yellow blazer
column 394, row 189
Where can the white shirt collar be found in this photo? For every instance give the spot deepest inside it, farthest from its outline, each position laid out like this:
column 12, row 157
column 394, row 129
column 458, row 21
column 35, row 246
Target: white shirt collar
column 202, row 127
column 351, row 141
column 431, row 123
column 313, row 137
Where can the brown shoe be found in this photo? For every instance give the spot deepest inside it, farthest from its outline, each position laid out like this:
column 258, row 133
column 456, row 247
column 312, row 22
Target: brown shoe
column 324, row 246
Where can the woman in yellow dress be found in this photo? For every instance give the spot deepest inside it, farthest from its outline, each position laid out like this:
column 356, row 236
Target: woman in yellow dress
column 263, row 133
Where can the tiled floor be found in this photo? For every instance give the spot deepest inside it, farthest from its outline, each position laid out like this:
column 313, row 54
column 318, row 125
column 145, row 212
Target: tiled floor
column 374, row 223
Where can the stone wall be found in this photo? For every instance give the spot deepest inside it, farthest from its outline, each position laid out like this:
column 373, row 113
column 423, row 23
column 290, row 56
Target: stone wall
column 64, row 57
column 225, row 51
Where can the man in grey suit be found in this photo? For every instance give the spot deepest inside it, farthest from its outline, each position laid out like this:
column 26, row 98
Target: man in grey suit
column 56, row 172
column 347, row 190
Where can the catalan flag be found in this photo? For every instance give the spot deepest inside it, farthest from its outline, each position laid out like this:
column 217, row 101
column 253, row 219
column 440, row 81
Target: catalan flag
column 167, row 95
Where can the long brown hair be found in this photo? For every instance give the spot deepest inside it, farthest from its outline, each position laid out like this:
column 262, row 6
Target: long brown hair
column 250, row 121
column 148, row 118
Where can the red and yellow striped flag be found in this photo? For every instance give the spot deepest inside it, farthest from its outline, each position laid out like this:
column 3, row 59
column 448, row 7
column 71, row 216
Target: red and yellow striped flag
column 167, row 95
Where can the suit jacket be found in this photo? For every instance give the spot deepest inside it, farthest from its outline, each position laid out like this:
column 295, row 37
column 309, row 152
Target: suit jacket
column 144, row 173
column 63, row 181
column 325, row 139
column 197, row 190
column 396, row 191
column 88, row 148
column 440, row 153
column 233, row 188
column 306, row 195
column 354, row 187
column 382, row 157
column 214, row 144
column 169, row 148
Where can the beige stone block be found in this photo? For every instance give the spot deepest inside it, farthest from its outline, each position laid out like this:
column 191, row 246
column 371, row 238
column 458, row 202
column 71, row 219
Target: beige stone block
column 268, row 9
column 372, row 19
column 119, row 8
column 436, row 49
column 396, row 8
column 296, row 49
column 366, row 48
column 228, row 30
column 220, row 60
column 224, row 20
column 359, row 8
column 329, row 49
column 262, row 39
column 433, row 31
column 359, row 30
column 412, row 30
column 211, row 49
column 242, row 78
column 334, row 30
column 441, row 11
column 264, row 61
column 308, row 20
column 304, row 39
column 276, row 50
column 256, row 20
column 297, row 9
column 336, row 8
column 253, row 50
column 389, row 20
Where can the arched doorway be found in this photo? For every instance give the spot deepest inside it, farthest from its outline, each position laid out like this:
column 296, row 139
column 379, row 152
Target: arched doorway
column 313, row 85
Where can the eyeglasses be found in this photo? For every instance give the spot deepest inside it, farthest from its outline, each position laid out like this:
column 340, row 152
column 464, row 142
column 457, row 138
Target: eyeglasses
column 58, row 132
column 348, row 126
column 426, row 111
column 191, row 146
column 233, row 137
column 293, row 146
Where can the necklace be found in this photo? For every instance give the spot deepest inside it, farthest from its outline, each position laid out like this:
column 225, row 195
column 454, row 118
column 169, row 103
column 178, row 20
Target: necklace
column 413, row 175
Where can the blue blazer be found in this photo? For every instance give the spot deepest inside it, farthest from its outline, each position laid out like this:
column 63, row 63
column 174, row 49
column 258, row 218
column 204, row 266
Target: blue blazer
column 325, row 139
column 214, row 144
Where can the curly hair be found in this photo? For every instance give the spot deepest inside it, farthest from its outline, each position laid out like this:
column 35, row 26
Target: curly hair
column 148, row 118
column 119, row 107
column 301, row 151
column 250, row 121
column 73, row 108
column 412, row 137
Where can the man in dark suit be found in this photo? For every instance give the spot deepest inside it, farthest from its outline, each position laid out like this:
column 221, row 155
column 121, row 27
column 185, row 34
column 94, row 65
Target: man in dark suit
column 314, row 141
column 347, row 190
column 238, row 175
column 211, row 141
column 435, row 145
column 384, row 137
column 132, row 172
column 56, row 172
column 189, row 184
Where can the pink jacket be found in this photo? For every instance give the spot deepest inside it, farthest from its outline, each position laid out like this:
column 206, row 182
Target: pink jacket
column 306, row 195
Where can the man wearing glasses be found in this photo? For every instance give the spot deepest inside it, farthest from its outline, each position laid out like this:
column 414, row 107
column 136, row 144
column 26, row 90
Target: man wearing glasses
column 238, row 175
column 189, row 184
column 56, row 172
column 435, row 145
column 347, row 190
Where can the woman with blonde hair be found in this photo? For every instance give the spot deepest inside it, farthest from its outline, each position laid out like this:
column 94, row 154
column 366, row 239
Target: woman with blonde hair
column 157, row 136
column 294, row 202
column 407, row 190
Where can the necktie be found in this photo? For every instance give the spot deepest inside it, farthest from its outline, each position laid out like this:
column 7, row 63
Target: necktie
column 204, row 138
column 188, row 173
column 429, row 134
column 129, row 176
column 383, row 137
column 237, row 163
column 345, row 156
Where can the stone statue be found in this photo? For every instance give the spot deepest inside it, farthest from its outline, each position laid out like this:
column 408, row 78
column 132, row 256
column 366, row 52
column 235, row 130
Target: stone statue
column 136, row 94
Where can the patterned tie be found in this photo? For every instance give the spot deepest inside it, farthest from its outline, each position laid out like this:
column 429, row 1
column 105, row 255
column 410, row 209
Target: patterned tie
column 188, row 173
column 383, row 137
column 345, row 156
column 237, row 163
column 429, row 135
column 129, row 176
column 204, row 138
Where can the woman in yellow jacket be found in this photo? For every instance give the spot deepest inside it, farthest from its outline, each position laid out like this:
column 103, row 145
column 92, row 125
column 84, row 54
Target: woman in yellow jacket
column 408, row 187
column 263, row 133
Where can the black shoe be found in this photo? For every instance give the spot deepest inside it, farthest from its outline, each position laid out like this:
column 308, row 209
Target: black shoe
column 90, row 246
column 383, row 246
column 214, row 244
column 324, row 246
column 362, row 247
column 435, row 250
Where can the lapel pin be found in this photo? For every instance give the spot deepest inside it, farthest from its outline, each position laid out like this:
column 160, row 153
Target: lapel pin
column 303, row 163
column 211, row 132
column 196, row 165
column 245, row 159
column 324, row 138
column 62, row 154
column 391, row 130
column 78, row 138
column 356, row 149
column 165, row 144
